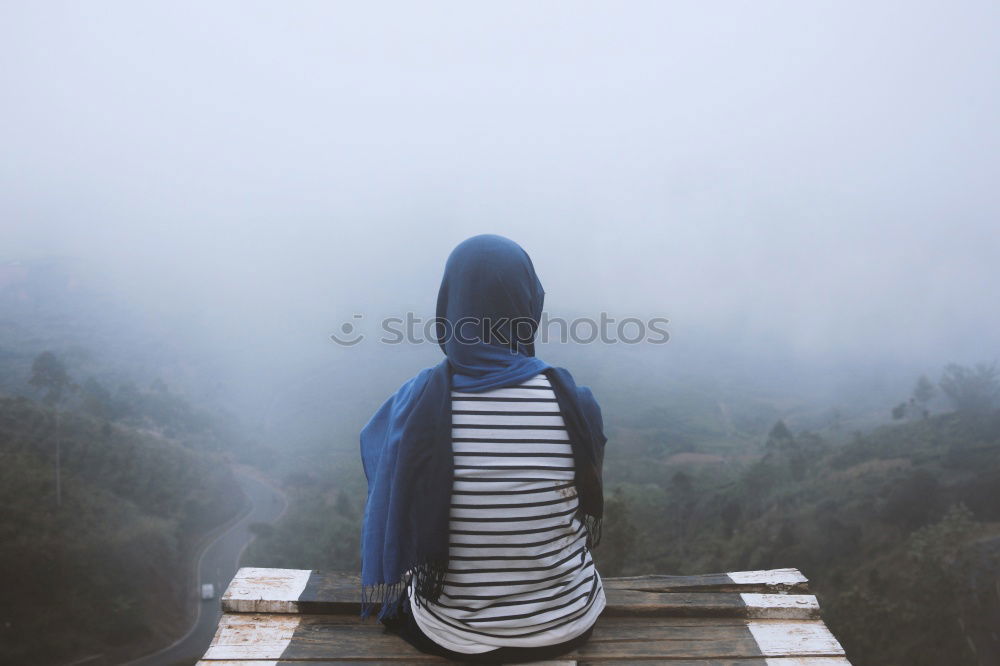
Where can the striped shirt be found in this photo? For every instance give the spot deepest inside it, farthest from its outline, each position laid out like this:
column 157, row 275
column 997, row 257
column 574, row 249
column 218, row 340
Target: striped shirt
column 518, row 574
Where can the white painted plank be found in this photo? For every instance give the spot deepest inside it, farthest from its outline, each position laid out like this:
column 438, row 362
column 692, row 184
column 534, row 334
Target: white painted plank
column 806, row 661
column 768, row 577
column 249, row 637
column 280, row 588
column 229, row 662
column 780, row 606
column 779, row 638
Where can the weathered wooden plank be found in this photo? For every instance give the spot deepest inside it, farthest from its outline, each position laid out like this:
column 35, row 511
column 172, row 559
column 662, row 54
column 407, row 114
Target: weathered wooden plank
column 754, row 618
column 316, row 637
column 771, row 581
column 333, row 661
column 793, row 639
column 660, row 637
column 762, row 661
column 252, row 636
column 620, row 602
column 807, row 661
column 781, row 606
column 341, row 662
column 708, row 604
column 743, row 594
column 259, row 590
column 770, row 577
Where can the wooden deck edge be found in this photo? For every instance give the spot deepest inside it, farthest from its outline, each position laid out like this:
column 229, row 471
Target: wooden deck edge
column 750, row 593
column 310, row 662
column 766, row 661
column 320, row 638
column 295, row 617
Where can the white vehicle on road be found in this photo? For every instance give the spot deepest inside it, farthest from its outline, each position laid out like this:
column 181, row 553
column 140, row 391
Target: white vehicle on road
column 207, row 591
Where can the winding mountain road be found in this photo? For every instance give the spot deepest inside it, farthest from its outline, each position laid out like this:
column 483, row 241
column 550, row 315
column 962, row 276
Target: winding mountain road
column 217, row 564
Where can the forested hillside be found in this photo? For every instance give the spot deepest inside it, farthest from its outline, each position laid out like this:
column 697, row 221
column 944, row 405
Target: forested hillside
column 101, row 561
column 113, row 466
column 897, row 526
column 899, row 530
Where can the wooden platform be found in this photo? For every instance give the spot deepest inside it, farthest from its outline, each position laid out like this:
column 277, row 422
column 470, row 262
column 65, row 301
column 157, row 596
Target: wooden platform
column 746, row 618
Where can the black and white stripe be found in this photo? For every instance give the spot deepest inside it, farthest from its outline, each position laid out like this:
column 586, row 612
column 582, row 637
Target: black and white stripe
column 519, row 573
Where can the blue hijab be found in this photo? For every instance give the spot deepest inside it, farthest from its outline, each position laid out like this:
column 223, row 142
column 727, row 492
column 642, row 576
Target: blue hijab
column 488, row 308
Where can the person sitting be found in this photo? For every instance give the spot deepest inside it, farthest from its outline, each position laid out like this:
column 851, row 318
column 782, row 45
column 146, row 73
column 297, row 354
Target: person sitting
column 484, row 480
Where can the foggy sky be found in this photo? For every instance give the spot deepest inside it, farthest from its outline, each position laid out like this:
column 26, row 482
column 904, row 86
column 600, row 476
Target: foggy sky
column 818, row 176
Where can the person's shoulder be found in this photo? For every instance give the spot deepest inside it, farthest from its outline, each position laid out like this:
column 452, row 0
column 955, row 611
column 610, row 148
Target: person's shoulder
column 417, row 384
column 564, row 378
column 403, row 398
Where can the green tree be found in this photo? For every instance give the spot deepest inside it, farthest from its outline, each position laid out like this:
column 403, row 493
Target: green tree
column 619, row 535
column 911, row 501
column 780, row 436
column 971, row 389
column 96, row 399
column 49, row 374
column 924, row 391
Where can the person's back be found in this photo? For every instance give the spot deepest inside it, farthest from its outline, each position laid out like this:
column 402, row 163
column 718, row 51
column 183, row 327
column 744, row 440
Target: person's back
column 519, row 571
column 484, row 480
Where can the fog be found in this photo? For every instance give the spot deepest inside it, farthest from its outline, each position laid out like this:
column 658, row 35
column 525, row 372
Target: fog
column 197, row 197
column 801, row 182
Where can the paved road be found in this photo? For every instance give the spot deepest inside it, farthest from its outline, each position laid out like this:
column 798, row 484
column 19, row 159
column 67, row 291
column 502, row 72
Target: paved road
column 218, row 565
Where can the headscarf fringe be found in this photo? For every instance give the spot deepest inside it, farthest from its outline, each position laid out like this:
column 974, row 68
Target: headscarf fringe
column 427, row 580
column 381, row 597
